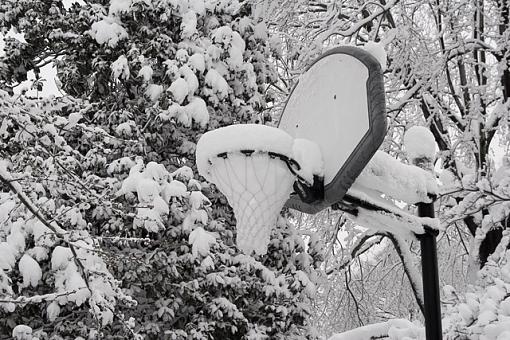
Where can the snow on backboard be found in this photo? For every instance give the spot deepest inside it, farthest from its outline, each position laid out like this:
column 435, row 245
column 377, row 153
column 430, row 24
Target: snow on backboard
column 339, row 104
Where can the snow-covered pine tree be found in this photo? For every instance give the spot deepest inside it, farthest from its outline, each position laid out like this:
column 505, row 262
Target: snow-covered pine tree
column 99, row 195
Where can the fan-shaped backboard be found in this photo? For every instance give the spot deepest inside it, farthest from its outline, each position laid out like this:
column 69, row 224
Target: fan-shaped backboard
column 338, row 103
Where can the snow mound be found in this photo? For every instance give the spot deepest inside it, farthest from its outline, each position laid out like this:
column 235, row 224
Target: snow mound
column 376, row 49
column 419, row 143
column 30, row 270
column 154, row 91
column 201, row 241
column 197, row 111
column 125, row 129
column 191, row 79
column 146, row 73
column 179, row 89
column 219, row 85
column 197, row 62
column 120, row 68
column 189, row 24
column 7, row 256
column 108, row 31
column 118, row 6
column 22, row 332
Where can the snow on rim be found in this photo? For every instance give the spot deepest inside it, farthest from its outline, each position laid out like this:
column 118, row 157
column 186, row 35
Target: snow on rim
column 234, row 138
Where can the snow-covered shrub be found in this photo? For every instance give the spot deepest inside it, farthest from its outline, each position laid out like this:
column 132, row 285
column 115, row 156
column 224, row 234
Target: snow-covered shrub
column 483, row 311
column 130, row 242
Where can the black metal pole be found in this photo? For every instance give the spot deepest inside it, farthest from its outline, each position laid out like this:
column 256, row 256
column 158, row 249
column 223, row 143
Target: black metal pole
column 430, row 276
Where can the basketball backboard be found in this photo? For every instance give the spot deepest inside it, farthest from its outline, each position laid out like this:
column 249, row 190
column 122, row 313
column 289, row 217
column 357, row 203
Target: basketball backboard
column 339, row 104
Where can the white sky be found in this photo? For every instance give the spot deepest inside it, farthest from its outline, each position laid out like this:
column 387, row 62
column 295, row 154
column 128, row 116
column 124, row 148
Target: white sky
column 48, row 72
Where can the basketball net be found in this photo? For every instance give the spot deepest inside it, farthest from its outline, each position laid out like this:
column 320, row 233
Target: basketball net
column 257, row 186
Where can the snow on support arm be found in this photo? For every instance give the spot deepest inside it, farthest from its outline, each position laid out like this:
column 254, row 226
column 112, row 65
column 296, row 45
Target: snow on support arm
column 378, row 213
column 382, row 221
column 400, row 181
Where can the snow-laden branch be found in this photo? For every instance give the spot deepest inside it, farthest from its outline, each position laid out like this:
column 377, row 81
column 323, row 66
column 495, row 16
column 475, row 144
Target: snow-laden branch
column 406, row 97
column 7, row 179
column 469, row 46
column 352, row 29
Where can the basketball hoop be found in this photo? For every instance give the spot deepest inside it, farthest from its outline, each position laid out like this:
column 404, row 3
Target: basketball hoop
column 252, row 166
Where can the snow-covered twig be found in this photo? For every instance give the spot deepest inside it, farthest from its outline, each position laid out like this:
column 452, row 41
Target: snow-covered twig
column 335, row 30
